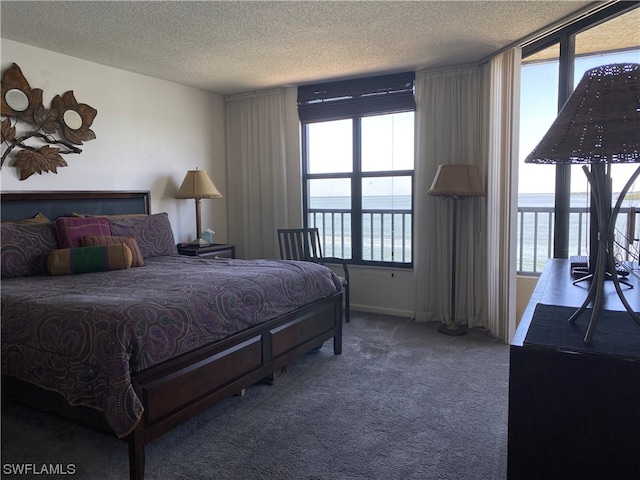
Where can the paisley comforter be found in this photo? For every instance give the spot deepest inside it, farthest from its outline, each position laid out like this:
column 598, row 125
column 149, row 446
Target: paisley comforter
column 85, row 335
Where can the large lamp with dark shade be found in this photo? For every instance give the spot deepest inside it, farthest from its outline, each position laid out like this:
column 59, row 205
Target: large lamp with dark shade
column 198, row 185
column 599, row 125
column 455, row 182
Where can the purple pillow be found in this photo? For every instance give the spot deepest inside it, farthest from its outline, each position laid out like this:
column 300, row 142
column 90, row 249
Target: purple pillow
column 71, row 230
column 25, row 248
column 152, row 232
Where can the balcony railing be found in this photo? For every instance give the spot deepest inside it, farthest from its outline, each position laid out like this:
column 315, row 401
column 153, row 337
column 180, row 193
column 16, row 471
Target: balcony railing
column 534, row 234
column 386, row 234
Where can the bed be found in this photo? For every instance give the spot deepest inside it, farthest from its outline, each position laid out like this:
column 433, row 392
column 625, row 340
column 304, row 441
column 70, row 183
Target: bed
column 129, row 337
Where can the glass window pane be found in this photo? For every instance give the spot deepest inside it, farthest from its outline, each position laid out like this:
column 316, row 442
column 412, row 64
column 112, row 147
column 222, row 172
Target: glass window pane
column 386, row 219
column 330, row 211
column 536, row 182
column 538, row 110
column 387, row 193
column 387, row 142
column 330, row 146
column 329, row 194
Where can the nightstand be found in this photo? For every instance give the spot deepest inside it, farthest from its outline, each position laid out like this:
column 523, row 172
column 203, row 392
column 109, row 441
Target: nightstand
column 214, row 250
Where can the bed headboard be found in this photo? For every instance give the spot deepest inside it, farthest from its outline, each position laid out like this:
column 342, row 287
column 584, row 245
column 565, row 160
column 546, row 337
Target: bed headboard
column 54, row 204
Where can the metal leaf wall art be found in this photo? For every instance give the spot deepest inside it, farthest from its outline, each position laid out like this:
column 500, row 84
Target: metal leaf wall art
column 53, row 131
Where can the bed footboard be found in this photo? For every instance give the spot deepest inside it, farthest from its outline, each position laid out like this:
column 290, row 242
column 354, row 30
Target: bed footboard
column 177, row 390
column 183, row 387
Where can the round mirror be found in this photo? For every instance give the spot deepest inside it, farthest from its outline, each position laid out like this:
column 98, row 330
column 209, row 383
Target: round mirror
column 17, row 100
column 72, row 119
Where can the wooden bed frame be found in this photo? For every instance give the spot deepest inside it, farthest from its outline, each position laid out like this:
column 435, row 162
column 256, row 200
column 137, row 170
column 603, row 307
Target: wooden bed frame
column 178, row 389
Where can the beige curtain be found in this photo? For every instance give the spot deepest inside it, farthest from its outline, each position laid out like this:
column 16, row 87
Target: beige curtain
column 501, row 101
column 449, row 130
column 256, row 166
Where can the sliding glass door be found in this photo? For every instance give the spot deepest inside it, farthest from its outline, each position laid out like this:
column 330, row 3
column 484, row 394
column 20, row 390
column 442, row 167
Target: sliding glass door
column 554, row 200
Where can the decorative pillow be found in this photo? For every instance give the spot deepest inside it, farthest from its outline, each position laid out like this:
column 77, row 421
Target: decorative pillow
column 37, row 218
column 100, row 258
column 25, row 248
column 71, row 230
column 138, row 259
column 152, row 232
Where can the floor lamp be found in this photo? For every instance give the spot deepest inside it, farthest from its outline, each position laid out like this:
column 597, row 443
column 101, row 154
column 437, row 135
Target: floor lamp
column 599, row 125
column 197, row 185
column 456, row 182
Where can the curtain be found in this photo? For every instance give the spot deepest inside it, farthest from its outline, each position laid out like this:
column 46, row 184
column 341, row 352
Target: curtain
column 502, row 98
column 256, row 171
column 449, row 130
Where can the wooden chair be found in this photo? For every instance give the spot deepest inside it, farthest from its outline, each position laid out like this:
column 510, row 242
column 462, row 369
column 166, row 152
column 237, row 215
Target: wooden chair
column 304, row 244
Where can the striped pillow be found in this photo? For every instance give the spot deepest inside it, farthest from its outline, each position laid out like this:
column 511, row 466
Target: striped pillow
column 70, row 261
column 92, row 240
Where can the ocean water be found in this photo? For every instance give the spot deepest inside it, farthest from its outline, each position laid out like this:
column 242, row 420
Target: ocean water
column 387, row 237
column 386, row 227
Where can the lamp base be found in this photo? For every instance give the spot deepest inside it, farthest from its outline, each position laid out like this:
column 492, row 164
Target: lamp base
column 199, row 241
column 453, row 329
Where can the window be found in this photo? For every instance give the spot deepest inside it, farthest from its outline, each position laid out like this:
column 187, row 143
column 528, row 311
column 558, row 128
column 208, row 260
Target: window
column 554, row 200
column 358, row 161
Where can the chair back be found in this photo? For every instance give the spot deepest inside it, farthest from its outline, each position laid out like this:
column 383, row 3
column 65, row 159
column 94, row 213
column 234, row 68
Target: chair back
column 299, row 244
column 304, row 244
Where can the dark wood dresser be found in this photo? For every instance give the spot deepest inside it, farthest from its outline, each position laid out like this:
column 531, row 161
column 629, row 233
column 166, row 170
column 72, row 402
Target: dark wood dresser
column 574, row 408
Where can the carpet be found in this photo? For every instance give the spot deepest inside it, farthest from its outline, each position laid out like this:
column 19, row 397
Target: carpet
column 402, row 402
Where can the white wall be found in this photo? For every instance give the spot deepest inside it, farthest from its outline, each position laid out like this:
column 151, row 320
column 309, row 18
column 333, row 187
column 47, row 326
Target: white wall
column 149, row 132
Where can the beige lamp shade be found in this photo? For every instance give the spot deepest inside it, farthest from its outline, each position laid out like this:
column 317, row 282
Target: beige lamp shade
column 456, row 181
column 198, row 184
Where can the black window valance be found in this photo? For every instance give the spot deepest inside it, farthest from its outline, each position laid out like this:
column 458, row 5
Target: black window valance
column 356, row 98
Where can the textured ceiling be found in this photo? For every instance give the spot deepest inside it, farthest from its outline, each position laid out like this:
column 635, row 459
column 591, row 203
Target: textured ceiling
column 237, row 46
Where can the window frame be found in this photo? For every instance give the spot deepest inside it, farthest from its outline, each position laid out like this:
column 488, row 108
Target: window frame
column 356, row 176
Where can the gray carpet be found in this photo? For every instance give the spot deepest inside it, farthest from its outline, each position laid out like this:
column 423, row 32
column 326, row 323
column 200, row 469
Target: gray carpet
column 401, row 402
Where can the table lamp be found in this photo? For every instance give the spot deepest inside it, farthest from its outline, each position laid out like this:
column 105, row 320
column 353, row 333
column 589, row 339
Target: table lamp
column 599, row 125
column 197, row 185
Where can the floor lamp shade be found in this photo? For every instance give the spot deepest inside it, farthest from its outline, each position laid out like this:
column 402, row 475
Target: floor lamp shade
column 455, row 181
column 197, row 185
column 598, row 125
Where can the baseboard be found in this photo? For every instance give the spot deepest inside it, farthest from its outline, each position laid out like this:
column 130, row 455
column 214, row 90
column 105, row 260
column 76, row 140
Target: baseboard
column 394, row 312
